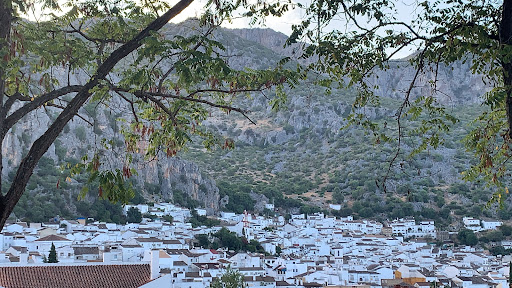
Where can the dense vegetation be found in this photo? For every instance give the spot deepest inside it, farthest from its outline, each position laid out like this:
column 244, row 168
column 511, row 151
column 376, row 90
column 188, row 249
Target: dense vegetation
column 314, row 167
column 297, row 158
column 51, row 193
column 321, row 164
column 488, row 239
column 198, row 220
column 226, row 239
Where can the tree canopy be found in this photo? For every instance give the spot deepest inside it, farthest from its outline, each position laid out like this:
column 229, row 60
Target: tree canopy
column 230, row 279
column 133, row 215
column 353, row 41
column 113, row 53
column 226, row 239
column 467, row 237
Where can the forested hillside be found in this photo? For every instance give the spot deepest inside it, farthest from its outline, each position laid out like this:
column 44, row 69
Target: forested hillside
column 299, row 158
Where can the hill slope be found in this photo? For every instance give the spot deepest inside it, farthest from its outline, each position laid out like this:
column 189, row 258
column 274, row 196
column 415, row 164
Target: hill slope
column 295, row 156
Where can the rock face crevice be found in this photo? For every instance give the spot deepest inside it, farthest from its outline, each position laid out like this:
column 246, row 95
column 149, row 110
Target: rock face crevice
column 181, row 175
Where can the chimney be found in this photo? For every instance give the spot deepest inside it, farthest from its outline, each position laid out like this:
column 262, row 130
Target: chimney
column 154, row 264
column 24, row 258
column 107, row 257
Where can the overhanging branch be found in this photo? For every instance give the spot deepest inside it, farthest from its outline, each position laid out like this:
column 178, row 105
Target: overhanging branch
column 36, row 103
column 153, row 97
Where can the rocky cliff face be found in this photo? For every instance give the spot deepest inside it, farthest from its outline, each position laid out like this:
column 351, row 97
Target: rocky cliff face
column 168, row 174
column 272, row 40
column 181, row 175
column 455, row 84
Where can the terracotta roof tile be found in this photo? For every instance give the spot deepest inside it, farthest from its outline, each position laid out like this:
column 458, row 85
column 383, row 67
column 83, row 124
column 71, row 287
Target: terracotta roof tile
column 87, row 276
column 53, row 238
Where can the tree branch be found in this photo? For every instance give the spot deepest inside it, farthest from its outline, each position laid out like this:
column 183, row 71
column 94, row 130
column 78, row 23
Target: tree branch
column 169, row 71
column 8, row 104
column 134, row 113
column 91, row 39
column 34, row 104
column 381, row 25
column 6, row 18
column 77, row 114
column 398, row 115
column 153, row 97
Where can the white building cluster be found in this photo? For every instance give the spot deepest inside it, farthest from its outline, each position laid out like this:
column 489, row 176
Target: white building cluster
column 478, row 225
column 409, row 228
column 315, row 251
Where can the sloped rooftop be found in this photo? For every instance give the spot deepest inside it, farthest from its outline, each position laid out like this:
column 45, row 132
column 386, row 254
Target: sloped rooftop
column 66, row 276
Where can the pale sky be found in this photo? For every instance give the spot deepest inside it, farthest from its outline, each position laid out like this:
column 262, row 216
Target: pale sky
column 283, row 24
column 405, row 12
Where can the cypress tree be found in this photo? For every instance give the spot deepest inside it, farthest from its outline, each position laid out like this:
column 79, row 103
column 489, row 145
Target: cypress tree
column 52, row 257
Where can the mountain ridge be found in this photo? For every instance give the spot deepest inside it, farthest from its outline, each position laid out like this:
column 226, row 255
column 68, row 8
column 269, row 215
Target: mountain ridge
column 293, row 156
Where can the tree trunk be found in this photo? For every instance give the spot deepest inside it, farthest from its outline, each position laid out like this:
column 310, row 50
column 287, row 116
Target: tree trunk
column 41, row 145
column 505, row 33
column 5, row 32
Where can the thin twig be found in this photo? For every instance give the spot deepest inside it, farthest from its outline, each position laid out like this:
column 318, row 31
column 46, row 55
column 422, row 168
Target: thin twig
column 91, row 39
column 398, row 115
column 131, row 105
column 153, row 97
column 169, row 71
column 62, row 107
